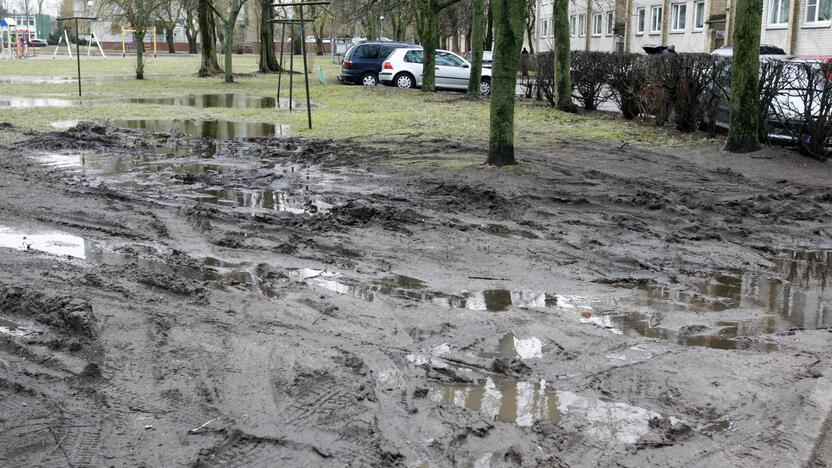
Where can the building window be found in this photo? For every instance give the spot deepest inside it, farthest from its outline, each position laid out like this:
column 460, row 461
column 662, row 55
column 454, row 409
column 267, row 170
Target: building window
column 778, row 12
column 544, row 28
column 699, row 11
column 573, row 20
column 597, row 24
column 818, row 11
column 581, row 25
column 610, row 24
column 640, row 20
column 678, row 12
column 655, row 19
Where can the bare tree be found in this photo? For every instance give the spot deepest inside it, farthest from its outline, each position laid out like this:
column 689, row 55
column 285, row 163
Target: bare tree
column 189, row 7
column 207, row 39
column 228, row 20
column 168, row 16
column 137, row 14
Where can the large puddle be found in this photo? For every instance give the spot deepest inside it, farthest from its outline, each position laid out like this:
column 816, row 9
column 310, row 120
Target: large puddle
column 732, row 309
column 204, row 101
column 226, row 100
column 218, row 129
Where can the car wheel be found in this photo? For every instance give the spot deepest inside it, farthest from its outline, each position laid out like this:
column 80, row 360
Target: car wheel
column 369, row 79
column 404, row 81
column 485, row 87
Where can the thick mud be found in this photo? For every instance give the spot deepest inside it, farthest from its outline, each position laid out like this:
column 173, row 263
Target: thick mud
column 177, row 298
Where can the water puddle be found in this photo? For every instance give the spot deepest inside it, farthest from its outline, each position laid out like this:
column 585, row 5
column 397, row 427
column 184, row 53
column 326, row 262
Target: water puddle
column 523, row 403
column 67, row 245
column 11, row 328
column 503, row 399
column 731, row 309
column 30, row 80
column 403, row 287
column 26, row 102
column 217, row 129
column 270, row 200
column 521, row 348
column 225, row 100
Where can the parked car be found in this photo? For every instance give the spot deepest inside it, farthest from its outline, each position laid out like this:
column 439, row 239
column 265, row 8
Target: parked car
column 38, row 43
column 487, row 59
column 362, row 63
column 403, row 69
column 765, row 50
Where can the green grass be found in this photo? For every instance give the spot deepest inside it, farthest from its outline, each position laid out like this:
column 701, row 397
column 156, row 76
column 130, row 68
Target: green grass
column 380, row 114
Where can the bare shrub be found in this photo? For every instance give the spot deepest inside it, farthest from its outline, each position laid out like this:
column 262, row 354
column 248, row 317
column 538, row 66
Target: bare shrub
column 773, row 74
column 663, row 77
column 589, row 78
column 627, row 79
column 717, row 92
column 804, row 107
column 545, row 83
column 694, row 79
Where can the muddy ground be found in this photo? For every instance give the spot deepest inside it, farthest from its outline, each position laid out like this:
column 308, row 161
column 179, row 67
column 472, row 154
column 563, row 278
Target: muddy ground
column 175, row 301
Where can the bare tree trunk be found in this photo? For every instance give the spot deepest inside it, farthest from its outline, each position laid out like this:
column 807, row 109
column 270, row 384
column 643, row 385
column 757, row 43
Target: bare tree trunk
column 743, row 133
column 476, row 41
column 489, row 27
column 139, row 35
column 169, row 39
column 509, row 27
column 208, row 40
column 268, row 59
column 561, row 68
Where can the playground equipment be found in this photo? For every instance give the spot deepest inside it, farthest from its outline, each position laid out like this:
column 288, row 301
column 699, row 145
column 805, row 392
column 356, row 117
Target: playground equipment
column 124, row 32
column 65, row 39
column 11, row 44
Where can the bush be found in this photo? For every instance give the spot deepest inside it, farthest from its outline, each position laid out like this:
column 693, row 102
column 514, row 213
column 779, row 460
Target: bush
column 627, row 79
column 545, row 83
column 589, row 77
column 694, row 78
column 804, row 106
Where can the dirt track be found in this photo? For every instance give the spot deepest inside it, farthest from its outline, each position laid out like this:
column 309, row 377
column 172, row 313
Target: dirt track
column 294, row 303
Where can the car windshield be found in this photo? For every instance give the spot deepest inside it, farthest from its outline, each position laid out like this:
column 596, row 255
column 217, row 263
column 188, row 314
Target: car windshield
column 366, row 51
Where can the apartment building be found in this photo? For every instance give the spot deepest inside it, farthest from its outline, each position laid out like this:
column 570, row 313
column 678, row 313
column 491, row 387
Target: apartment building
column 800, row 27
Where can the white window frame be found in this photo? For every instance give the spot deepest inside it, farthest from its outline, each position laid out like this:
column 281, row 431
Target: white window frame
column 815, row 22
column 582, row 25
column 697, row 8
column 641, row 21
column 775, row 7
column 573, row 25
column 675, row 14
column 610, row 23
column 656, row 26
column 544, row 27
column 597, row 24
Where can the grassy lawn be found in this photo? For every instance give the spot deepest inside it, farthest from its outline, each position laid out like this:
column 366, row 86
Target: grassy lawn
column 381, row 113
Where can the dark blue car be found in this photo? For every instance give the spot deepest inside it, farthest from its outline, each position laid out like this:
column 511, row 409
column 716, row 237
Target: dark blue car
column 363, row 61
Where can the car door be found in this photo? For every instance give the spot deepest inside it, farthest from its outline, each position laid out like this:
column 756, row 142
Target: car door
column 451, row 71
column 412, row 63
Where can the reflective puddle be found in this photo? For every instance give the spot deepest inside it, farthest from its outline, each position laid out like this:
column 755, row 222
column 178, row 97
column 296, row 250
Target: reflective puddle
column 218, row 129
column 12, row 328
column 511, row 346
column 271, row 200
column 226, row 100
column 67, row 245
column 25, row 102
column 404, row 287
column 732, row 309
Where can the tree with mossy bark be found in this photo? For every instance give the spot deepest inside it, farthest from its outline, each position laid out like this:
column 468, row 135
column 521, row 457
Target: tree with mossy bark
column 207, row 39
column 477, row 36
column 229, row 21
column 168, row 17
column 427, row 25
column 743, row 134
column 563, row 76
column 509, row 26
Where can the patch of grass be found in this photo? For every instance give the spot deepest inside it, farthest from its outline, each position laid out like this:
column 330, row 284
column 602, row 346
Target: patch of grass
column 345, row 112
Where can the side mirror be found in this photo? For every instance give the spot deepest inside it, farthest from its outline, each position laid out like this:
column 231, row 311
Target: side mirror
column 465, row 65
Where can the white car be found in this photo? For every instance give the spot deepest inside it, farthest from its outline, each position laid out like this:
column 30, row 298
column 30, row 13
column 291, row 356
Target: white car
column 403, row 69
